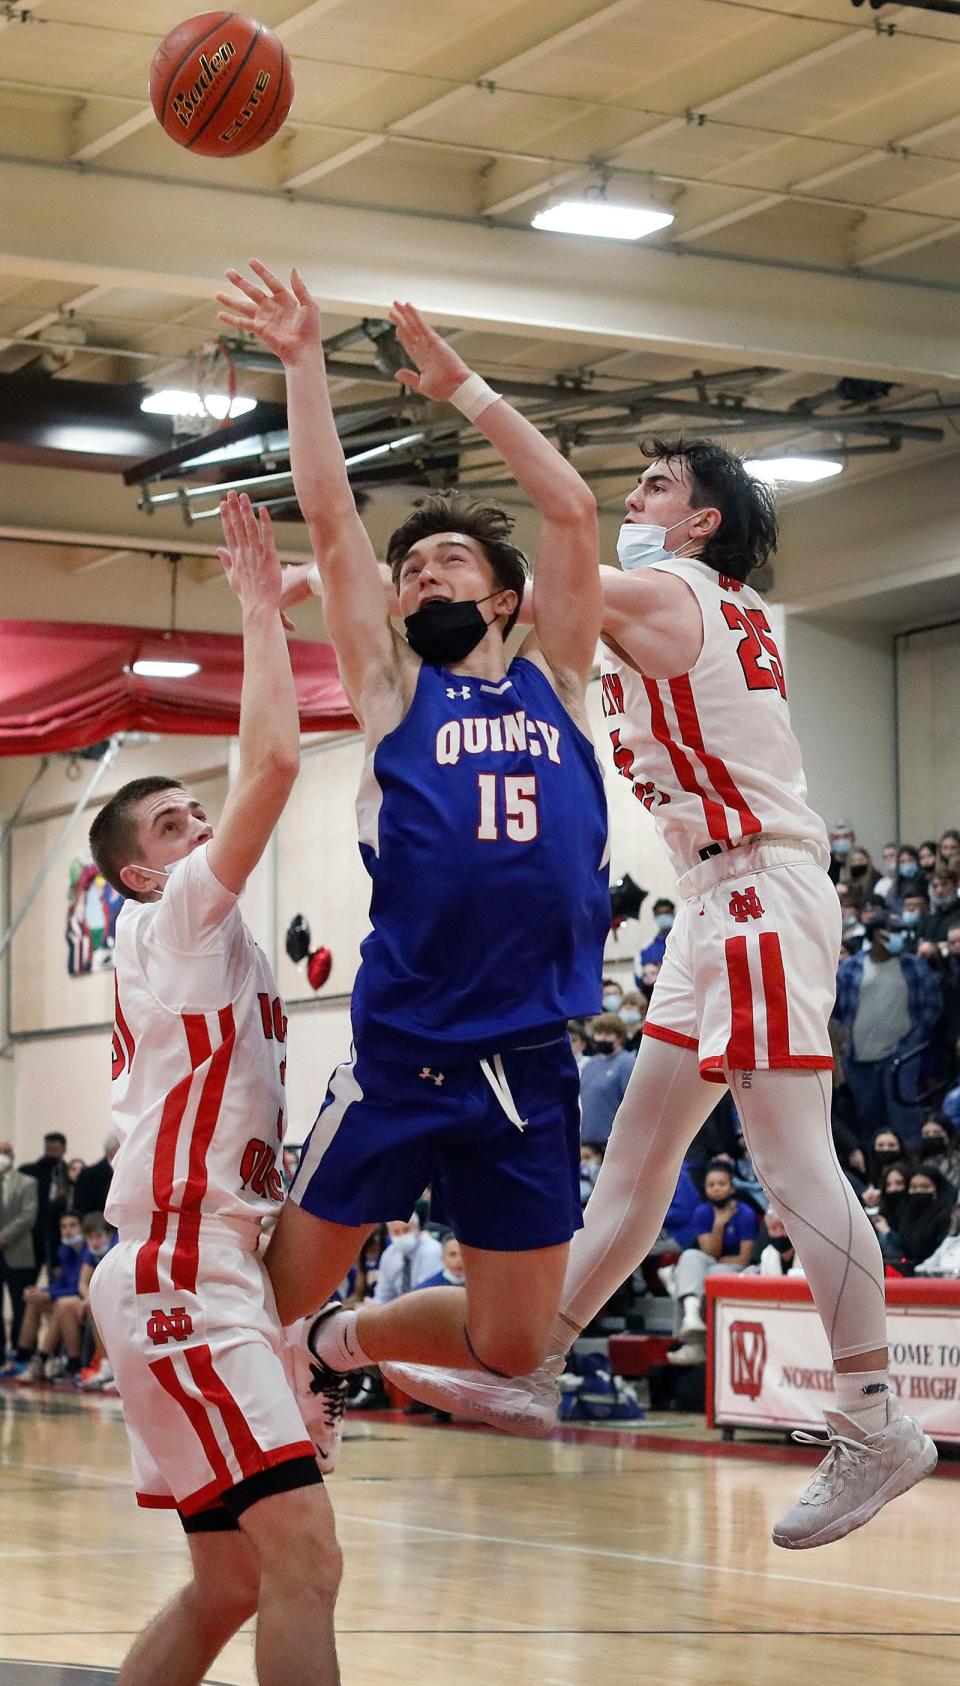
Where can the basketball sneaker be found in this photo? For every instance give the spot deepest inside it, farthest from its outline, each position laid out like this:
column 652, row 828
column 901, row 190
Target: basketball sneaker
column 518, row 1405
column 321, row 1393
column 859, row 1475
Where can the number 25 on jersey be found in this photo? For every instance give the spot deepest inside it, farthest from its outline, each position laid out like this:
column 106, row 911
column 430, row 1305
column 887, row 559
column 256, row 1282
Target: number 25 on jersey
column 759, row 657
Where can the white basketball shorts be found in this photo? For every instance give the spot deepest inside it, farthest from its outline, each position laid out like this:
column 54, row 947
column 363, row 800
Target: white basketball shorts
column 209, row 1411
column 749, row 975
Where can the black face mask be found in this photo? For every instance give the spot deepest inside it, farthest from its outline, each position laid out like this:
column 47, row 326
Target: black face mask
column 931, row 1146
column 782, row 1243
column 887, row 1155
column 604, row 1047
column 442, row 632
column 859, row 871
column 722, row 1200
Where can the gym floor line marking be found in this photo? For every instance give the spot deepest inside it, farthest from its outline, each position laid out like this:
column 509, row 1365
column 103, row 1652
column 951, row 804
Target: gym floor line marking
column 607, row 1553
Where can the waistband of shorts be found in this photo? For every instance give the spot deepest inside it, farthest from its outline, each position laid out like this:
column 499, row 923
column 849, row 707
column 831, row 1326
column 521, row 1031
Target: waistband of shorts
column 160, row 1226
column 751, row 857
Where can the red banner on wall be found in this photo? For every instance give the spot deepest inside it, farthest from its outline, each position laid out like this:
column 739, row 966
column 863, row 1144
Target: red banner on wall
column 64, row 685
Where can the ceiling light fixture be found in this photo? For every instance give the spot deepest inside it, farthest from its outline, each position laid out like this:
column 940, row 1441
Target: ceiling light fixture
column 601, row 219
column 792, row 470
column 172, row 401
column 165, row 670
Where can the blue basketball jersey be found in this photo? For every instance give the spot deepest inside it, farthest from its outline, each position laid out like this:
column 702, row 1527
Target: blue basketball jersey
column 483, row 825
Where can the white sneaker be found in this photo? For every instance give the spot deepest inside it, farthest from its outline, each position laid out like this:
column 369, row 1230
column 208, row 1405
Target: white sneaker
column 668, row 1277
column 321, row 1393
column 859, row 1475
column 517, row 1404
column 692, row 1323
column 691, row 1352
column 101, row 1379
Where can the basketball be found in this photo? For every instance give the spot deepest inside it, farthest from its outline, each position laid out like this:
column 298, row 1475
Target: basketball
column 221, row 84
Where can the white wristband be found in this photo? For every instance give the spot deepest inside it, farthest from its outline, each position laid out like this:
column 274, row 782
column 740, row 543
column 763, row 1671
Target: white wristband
column 314, row 581
column 473, row 396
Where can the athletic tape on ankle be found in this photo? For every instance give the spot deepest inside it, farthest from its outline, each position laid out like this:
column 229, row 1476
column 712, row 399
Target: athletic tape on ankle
column 473, row 396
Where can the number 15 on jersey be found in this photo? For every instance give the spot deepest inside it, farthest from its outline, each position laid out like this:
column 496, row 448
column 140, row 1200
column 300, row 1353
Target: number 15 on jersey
column 507, row 807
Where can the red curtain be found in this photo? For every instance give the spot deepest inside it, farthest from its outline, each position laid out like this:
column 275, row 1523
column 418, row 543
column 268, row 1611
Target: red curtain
column 64, row 685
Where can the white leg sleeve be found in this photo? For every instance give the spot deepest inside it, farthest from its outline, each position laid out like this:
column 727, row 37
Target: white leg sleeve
column 786, row 1122
column 665, row 1104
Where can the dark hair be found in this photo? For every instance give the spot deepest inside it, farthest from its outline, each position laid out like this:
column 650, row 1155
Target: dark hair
column 56, row 1136
column 94, row 1221
column 113, row 834
column 748, row 531
column 951, row 831
column 664, row 901
column 452, row 512
column 719, row 1165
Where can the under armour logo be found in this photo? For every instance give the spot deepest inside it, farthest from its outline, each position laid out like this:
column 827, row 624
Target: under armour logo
column 744, row 905
column 452, row 691
column 434, row 1076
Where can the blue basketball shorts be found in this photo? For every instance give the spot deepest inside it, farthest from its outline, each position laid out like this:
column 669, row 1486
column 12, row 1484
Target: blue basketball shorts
column 387, row 1131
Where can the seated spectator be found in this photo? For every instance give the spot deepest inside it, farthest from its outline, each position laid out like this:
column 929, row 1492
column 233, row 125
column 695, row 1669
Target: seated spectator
column 633, row 1011
column 859, row 872
column 883, row 1205
column 604, row 1078
column 915, row 910
column 664, row 915
column 842, row 839
column 944, row 910
column 851, row 924
column 940, row 1148
column 773, row 1252
column 927, row 856
column 909, row 877
column 577, row 1033
column 361, row 1279
column 591, row 1159
column 451, row 1273
column 59, row 1349
column 949, row 849
column 885, row 1149
column 885, row 884
column 649, row 973
column 726, row 1230
column 745, row 1179
column 38, row 1302
column 611, row 995
column 410, row 1257
column 924, row 1220
column 945, row 1261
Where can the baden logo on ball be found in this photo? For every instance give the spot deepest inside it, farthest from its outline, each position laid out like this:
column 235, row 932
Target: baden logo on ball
column 221, row 84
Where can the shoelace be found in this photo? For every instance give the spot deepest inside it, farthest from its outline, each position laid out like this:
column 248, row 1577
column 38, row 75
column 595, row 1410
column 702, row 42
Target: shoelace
column 842, row 1455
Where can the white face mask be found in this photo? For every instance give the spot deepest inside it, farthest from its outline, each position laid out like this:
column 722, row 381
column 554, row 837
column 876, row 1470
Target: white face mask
column 639, row 545
column 407, row 1243
column 5, row 1161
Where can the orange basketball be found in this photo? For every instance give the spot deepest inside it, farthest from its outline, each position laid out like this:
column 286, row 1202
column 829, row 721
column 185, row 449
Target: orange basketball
column 221, row 84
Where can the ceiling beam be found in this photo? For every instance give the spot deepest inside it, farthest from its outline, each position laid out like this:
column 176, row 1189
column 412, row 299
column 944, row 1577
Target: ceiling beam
column 435, row 107
column 499, row 206
column 462, row 272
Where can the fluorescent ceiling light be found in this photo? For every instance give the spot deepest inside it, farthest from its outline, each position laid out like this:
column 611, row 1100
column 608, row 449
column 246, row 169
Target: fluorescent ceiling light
column 174, row 402
column 165, row 670
column 601, row 218
column 799, row 470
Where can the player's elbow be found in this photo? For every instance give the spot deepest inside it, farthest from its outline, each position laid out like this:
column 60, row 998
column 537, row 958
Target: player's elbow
column 579, row 507
column 279, row 769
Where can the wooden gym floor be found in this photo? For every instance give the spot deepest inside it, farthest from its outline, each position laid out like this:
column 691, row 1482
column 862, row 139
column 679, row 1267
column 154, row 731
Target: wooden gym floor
column 486, row 1560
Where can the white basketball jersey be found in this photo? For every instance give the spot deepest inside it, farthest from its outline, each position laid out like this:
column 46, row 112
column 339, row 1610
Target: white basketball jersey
column 710, row 753
column 199, row 1057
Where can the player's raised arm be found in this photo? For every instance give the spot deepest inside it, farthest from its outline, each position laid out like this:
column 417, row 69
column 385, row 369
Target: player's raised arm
column 269, row 722
column 287, row 319
column 566, row 591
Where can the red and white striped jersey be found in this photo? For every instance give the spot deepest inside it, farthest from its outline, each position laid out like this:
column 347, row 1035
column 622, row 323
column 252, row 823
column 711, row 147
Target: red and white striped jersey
column 710, row 753
column 199, row 1057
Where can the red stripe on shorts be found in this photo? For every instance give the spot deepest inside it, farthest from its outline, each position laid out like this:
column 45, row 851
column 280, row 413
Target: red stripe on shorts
column 185, row 1262
column 775, row 995
column 717, row 771
column 147, row 1275
column 196, row 1414
column 683, row 766
column 676, row 1038
column 741, row 1048
column 215, row 1392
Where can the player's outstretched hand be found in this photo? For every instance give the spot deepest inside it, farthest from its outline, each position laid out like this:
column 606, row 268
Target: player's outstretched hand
column 439, row 369
column 250, row 558
column 287, row 319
